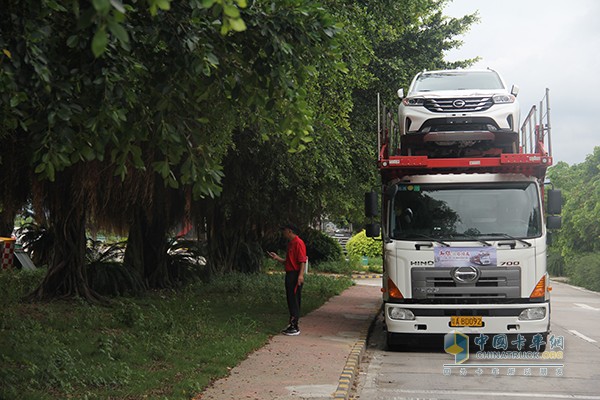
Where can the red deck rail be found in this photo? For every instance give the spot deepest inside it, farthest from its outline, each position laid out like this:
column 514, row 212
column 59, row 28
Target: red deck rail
column 529, row 157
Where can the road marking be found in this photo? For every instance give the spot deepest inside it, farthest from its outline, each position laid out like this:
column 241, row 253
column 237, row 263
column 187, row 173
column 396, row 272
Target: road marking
column 582, row 336
column 587, row 307
column 497, row 394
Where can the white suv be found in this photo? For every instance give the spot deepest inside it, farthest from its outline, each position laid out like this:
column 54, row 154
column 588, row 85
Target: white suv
column 458, row 100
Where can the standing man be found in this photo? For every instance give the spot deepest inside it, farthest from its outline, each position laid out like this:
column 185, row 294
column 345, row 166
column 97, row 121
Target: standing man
column 295, row 266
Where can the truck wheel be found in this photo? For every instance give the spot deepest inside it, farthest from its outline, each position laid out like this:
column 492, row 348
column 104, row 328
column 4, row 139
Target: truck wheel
column 391, row 343
column 396, row 342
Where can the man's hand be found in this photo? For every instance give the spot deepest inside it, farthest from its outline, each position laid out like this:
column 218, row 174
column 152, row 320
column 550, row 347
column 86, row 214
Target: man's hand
column 275, row 257
column 300, row 279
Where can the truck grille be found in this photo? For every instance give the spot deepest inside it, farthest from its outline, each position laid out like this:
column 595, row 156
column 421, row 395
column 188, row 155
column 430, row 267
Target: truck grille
column 454, row 105
column 493, row 283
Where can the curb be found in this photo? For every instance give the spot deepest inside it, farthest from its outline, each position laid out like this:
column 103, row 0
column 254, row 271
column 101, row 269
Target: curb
column 353, row 362
column 366, row 276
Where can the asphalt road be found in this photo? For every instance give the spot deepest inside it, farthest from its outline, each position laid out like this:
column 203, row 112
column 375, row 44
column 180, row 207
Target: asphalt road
column 420, row 373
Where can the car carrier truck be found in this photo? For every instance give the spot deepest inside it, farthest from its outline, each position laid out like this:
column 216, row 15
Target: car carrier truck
column 465, row 220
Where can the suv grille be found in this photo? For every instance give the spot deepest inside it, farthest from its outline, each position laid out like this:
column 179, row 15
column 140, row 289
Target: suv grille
column 454, row 105
column 494, row 282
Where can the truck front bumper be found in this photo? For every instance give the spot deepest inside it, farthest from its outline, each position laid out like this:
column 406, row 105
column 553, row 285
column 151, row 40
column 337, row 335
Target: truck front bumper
column 496, row 318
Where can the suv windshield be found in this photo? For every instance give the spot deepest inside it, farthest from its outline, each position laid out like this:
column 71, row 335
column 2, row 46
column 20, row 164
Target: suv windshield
column 477, row 211
column 462, row 80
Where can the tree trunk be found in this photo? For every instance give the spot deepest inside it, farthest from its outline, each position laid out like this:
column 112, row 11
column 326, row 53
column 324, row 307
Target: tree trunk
column 66, row 276
column 232, row 244
column 7, row 223
column 146, row 250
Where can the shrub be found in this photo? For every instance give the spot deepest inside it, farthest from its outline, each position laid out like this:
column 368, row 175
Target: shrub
column 360, row 245
column 105, row 272
column 186, row 261
column 38, row 241
column 584, row 270
column 321, row 247
column 15, row 284
column 555, row 263
column 341, row 267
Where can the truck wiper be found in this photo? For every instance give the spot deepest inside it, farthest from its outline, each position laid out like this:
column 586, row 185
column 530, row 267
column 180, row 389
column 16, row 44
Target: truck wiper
column 471, row 238
column 506, row 235
column 428, row 238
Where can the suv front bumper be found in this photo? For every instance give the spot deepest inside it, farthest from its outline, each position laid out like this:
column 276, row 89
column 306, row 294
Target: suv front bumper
column 503, row 116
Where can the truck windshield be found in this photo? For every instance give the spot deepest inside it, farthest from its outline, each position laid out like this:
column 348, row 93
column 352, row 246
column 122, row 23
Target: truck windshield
column 478, row 211
column 467, row 80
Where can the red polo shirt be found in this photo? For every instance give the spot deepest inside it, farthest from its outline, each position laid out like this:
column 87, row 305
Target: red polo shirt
column 296, row 254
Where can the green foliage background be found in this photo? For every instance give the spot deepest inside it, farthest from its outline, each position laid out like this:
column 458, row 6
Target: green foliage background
column 360, row 245
column 576, row 249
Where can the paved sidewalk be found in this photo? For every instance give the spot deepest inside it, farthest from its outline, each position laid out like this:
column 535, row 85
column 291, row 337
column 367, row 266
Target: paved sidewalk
column 318, row 364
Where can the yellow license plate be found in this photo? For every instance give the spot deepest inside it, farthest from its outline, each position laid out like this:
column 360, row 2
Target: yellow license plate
column 466, row 321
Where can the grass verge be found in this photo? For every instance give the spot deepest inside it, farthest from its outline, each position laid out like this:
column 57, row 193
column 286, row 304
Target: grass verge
column 163, row 345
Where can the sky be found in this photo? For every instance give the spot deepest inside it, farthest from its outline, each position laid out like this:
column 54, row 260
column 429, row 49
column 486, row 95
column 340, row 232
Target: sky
column 539, row 44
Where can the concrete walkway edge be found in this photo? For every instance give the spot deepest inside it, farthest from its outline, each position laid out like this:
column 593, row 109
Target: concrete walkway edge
column 321, row 363
column 353, row 363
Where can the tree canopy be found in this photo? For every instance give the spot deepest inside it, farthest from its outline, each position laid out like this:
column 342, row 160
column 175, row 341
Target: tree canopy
column 580, row 186
column 133, row 115
column 575, row 251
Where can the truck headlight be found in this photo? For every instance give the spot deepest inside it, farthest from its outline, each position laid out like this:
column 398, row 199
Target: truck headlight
column 532, row 314
column 401, row 313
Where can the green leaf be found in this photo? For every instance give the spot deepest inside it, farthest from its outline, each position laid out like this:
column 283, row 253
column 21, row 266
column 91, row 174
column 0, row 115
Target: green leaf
column 208, row 3
column 99, row 42
column 102, row 6
column 118, row 5
column 164, row 4
column 231, row 11
column 120, row 32
column 162, row 167
column 40, row 168
column 50, row 172
column 73, row 41
column 238, row 24
column 87, row 153
column 211, row 58
column 16, row 100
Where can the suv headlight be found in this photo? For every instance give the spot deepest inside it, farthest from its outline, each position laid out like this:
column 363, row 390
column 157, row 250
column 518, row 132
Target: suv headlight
column 408, row 101
column 503, row 98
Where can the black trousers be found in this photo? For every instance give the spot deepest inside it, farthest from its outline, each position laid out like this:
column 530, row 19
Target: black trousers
column 293, row 293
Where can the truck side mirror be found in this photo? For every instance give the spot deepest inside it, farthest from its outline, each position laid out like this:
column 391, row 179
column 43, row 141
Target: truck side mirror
column 401, row 93
column 553, row 222
column 371, row 206
column 372, row 230
column 554, row 202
